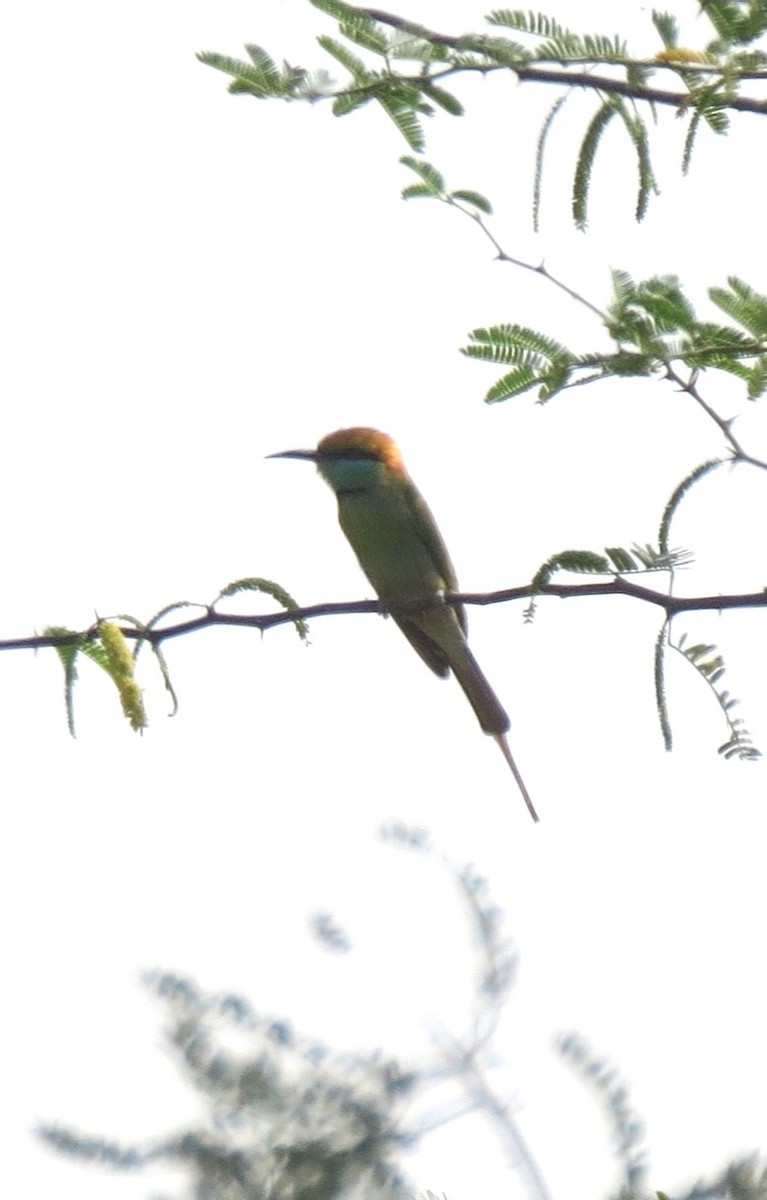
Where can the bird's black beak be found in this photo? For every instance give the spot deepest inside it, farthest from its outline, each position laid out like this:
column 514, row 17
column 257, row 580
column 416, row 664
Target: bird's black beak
column 308, row 455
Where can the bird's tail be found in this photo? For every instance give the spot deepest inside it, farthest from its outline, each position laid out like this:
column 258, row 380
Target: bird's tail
column 489, row 711
column 503, row 743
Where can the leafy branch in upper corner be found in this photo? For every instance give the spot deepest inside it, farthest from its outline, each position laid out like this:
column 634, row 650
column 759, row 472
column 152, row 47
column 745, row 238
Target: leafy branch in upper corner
column 371, row 46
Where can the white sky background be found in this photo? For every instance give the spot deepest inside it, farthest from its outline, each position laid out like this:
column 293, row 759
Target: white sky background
column 192, row 281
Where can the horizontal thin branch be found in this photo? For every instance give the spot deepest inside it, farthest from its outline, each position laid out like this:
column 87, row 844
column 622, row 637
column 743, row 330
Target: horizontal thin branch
column 565, row 77
column 211, row 617
column 621, row 87
column 529, row 71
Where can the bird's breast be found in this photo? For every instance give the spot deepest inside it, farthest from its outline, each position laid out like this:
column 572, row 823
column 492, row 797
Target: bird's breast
column 382, row 526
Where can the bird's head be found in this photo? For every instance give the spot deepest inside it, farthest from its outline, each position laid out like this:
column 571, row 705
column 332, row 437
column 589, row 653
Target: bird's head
column 352, row 459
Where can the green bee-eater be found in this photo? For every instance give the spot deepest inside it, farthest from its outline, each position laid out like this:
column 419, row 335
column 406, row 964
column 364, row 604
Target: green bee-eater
column 400, row 549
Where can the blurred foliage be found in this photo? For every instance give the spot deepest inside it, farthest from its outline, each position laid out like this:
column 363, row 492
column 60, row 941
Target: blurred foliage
column 283, row 1117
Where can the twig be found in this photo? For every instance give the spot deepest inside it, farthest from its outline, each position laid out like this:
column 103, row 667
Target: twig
column 211, row 617
column 503, row 256
column 688, row 386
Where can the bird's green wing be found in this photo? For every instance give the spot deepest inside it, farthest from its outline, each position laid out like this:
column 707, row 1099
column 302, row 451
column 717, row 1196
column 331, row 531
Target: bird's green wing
column 429, row 650
column 429, row 534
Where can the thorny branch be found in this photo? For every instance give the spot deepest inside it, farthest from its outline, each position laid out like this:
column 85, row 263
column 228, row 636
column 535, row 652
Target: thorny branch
column 528, row 72
column 211, row 617
column 689, row 386
column 537, row 269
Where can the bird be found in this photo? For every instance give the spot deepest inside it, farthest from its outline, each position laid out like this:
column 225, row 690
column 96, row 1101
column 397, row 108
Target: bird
column 401, row 551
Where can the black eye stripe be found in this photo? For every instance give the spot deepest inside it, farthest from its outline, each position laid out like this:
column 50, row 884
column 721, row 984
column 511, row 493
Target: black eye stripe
column 351, row 455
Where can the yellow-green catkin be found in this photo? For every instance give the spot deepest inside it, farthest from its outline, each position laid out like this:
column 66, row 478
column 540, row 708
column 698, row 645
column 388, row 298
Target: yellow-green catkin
column 120, row 667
